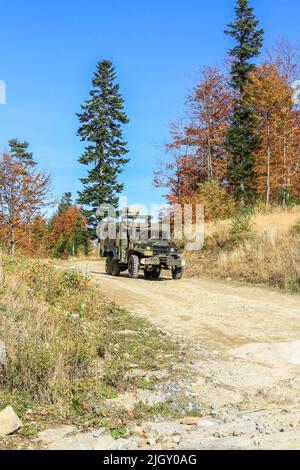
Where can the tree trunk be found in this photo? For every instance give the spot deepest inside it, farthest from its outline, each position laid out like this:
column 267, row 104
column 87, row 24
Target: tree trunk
column 284, row 189
column 12, row 242
column 210, row 174
column 242, row 194
column 2, row 273
column 268, row 168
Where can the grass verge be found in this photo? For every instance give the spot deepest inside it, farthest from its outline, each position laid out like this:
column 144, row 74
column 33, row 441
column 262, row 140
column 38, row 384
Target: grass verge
column 68, row 347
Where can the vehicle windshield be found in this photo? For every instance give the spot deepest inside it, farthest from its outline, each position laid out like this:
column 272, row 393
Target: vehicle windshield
column 146, row 233
column 139, row 234
column 160, row 235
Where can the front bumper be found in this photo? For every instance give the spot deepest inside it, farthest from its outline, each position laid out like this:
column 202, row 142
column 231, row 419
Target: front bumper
column 169, row 262
column 152, row 261
column 175, row 262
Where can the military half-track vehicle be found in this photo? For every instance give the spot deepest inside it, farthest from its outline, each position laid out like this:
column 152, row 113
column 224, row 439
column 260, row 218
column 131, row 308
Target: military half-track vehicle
column 134, row 243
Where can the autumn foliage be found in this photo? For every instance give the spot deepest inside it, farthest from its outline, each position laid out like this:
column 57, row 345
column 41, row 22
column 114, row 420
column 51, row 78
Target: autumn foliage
column 196, row 150
column 24, row 194
column 196, row 153
column 68, row 233
column 278, row 158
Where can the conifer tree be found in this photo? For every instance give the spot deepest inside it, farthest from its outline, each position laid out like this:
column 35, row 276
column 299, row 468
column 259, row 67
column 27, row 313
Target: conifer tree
column 243, row 137
column 65, row 203
column 19, row 152
column 101, row 120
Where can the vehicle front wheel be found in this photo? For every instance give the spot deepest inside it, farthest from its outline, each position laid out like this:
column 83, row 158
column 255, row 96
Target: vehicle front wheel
column 133, row 266
column 108, row 265
column 156, row 273
column 177, row 273
column 152, row 274
column 116, row 269
column 148, row 274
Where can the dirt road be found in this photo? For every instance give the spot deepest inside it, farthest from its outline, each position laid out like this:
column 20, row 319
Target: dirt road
column 221, row 314
column 242, row 343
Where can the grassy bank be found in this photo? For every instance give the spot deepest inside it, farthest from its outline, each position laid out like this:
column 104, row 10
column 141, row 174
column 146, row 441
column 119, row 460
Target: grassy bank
column 239, row 251
column 68, row 347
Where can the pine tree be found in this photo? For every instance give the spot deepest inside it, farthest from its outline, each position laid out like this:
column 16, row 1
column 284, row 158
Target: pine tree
column 19, row 152
column 101, row 121
column 243, row 137
column 65, row 203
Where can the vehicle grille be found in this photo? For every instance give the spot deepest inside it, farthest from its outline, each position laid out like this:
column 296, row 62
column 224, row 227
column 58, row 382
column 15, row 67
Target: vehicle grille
column 160, row 250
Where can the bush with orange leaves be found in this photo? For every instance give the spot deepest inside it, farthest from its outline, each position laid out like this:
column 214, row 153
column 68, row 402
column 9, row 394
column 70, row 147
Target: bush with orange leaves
column 68, row 234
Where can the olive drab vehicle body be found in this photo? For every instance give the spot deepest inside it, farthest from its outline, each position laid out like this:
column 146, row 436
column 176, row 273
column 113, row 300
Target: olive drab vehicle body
column 135, row 244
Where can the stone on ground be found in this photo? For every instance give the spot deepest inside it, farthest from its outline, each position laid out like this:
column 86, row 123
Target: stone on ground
column 9, row 422
column 190, row 420
column 129, row 401
column 51, row 435
column 66, row 438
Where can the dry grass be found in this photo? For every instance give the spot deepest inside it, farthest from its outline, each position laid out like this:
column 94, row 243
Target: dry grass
column 67, row 346
column 279, row 219
column 268, row 256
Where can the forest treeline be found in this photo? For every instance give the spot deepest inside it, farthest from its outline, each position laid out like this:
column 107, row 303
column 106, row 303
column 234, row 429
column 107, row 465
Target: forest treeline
column 238, row 143
column 237, row 146
column 25, row 193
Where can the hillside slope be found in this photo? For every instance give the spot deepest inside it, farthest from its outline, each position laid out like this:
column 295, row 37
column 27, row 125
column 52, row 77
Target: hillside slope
column 264, row 250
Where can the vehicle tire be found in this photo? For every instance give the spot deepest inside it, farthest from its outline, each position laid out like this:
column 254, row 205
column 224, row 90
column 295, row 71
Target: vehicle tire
column 108, row 265
column 133, row 266
column 156, row 273
column 148, row 274
column 115, row 268
column 177, row 273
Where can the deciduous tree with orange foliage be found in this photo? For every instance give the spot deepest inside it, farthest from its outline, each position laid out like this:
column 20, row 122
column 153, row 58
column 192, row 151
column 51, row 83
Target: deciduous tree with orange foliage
column 197, row 147
column 277, row 159
column 196, row 153
column 68, row 232
column 209, row 108
column 33, row 239
column 24, row 193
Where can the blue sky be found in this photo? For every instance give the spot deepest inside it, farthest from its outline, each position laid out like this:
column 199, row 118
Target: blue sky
column 49, row 52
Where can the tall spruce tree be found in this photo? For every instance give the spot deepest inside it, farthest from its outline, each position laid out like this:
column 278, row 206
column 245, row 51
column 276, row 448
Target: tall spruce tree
column 101, row 121
column 243, row 136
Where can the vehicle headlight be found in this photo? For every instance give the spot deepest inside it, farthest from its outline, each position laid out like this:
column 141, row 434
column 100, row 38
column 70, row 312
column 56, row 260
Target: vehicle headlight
column 172, row 250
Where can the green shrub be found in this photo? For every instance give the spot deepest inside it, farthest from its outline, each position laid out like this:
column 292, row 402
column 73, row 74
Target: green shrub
column 218, row 203
column 241, row 227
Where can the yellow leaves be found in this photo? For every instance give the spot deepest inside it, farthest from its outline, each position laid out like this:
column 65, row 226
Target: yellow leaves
column 277, row 159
